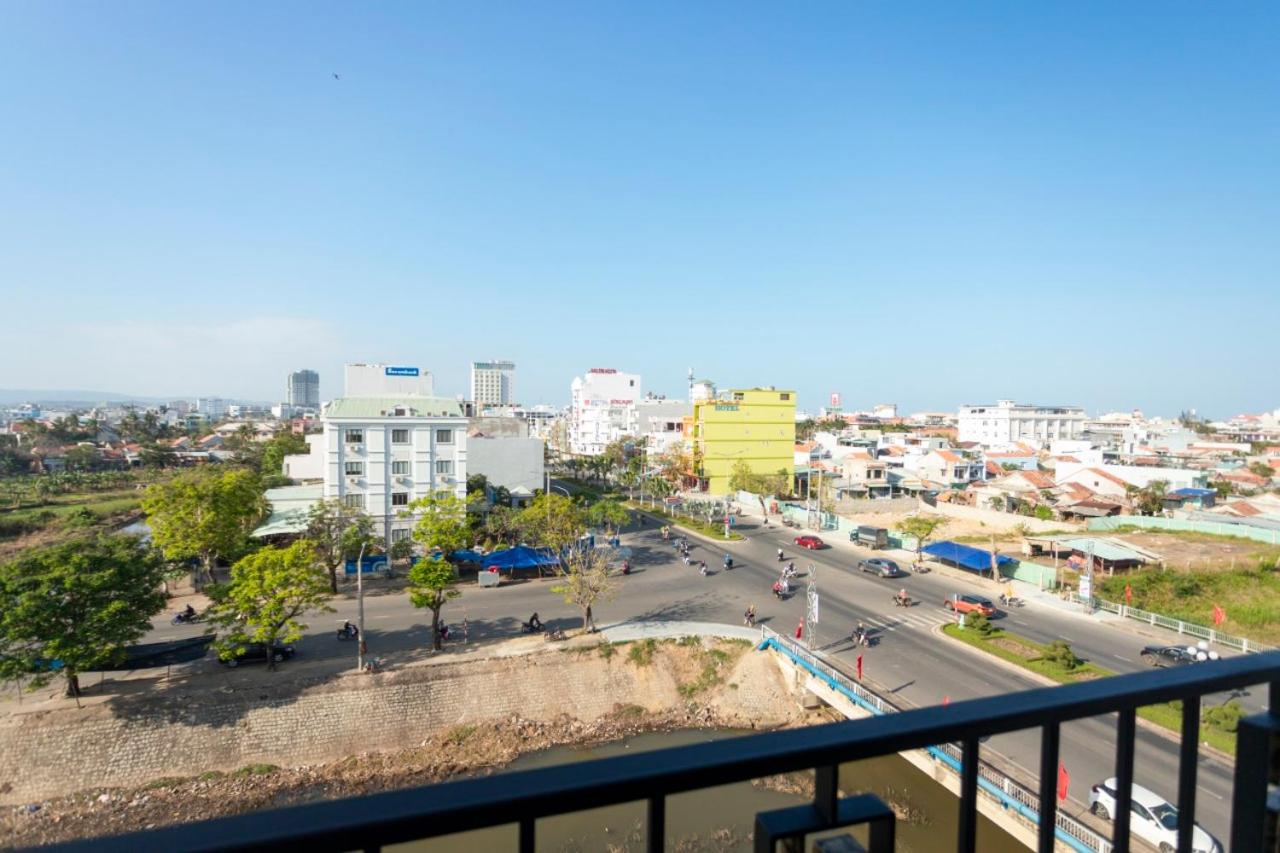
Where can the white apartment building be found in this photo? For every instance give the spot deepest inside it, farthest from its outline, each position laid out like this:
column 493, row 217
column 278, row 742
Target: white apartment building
column 1007, row 422
column 493, row 383
column 660, row 422
column 602, row 409
column 384, row 448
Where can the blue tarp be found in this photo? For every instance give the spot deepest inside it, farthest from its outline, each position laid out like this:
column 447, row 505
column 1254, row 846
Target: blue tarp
column 371, row 563
column 964, row 556
column 467, row 556
column 1190, row 493
column 519, row 557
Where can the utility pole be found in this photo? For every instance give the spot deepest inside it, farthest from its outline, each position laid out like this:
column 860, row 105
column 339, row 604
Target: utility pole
column 811, row 611
column 360, row 609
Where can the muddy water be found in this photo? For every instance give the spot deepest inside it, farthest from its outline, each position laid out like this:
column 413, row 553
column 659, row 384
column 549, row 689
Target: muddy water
column 722, row 818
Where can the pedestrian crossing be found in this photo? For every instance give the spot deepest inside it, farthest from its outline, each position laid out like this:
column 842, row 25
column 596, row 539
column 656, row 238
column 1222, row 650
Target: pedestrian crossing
column 917, row 618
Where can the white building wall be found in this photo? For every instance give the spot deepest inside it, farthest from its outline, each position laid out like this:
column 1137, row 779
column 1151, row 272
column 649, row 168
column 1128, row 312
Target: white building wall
column 508, row 462
column 379, row 380
column 603, row 409
column 1007, row 422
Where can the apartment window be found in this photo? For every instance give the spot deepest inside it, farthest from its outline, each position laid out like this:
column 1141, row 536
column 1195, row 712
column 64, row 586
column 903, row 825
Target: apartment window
column 399, row 498
column 399, row 534
column 355, row 469
column 353, row 501
column 401, row 467
column 354, row 436
column 784, row 396
column 444, row 436
column 444, row 466
column 399, row 436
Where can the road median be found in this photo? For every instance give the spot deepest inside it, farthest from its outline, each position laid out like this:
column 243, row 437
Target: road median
column 693, row 525
column 1055, row 664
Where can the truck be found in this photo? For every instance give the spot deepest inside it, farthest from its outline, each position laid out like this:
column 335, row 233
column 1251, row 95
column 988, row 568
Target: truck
column 872, row 537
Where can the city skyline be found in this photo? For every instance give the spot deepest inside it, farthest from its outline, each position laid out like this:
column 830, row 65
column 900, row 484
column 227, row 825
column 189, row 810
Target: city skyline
column 1038, row 203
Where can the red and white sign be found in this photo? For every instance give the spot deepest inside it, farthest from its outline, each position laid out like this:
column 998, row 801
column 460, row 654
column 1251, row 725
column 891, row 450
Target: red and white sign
column 835, row 399
column 603, row 370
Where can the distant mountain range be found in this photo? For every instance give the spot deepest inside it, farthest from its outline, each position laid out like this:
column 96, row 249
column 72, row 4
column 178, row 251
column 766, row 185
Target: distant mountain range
column 9, row 397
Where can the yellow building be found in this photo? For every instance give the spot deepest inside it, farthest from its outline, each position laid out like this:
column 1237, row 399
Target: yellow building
column 754, row 425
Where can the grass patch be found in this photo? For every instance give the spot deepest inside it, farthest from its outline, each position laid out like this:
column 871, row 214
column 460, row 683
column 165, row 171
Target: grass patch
column 165, row 782
column 210, row 775
column 713, row 671
column 1249, row 595
column 256, row 770
column 606, row 650
column 697, row 525
column 1217, row 724
column 631, row 711
column 641, row 654
column 458, row 735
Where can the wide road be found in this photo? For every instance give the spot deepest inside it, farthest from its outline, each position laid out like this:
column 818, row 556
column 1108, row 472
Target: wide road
column 909, row 662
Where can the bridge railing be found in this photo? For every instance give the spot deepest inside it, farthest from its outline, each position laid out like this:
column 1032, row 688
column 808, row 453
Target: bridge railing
column 521, row 798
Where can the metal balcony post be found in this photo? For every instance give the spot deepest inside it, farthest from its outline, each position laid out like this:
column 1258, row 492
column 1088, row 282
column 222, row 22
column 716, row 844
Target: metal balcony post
column 1188, row 754
column 968, row 834
column 1124, row 777
column 1048, row 787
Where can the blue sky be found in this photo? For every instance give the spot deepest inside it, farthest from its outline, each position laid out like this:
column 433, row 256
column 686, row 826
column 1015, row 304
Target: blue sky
column 927, row 204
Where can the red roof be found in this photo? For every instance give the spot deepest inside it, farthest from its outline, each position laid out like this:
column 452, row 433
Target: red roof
column 1107, row 476
column 1243, row 508
column 948, row 456
column 1076, row 491
column 1035, row 478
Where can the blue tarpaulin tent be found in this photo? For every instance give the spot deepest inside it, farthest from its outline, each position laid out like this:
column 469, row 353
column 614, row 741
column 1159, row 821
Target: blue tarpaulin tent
column 519, row 557
column 974, row 559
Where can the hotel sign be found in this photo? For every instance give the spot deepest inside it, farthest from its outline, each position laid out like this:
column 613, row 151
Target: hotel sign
column 402, row 371
column 726, row 407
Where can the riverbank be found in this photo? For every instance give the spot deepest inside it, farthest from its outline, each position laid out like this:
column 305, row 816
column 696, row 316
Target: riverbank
column 277, row 750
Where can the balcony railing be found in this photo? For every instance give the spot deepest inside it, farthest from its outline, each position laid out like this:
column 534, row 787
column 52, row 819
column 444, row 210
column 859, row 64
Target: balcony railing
column 521, row 798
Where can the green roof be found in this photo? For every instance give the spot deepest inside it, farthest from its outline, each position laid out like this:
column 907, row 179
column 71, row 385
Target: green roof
column 377, row 407
column 290, row 507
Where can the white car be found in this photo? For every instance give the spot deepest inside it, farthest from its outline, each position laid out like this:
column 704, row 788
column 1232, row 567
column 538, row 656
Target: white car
column 1151, row 818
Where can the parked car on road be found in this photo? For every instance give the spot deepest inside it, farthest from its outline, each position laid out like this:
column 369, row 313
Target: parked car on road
column 964, row 603
column 1173, row 655
column 813, row 543
column 881, row 567
column 258, row 653
column 1151, row 818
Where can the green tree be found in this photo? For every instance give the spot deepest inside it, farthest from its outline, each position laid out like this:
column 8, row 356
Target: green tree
column 477, row 483
column 441, row 529
column 431, row 584
column 1262, row 469
column 282, row 444
column 1043, row 512
column 778, row 484
column 584, row 581
column 608, row 514
column 502, row 526
column 743, row 479
column 76, row 605
column 553, row 521
column 268, row 593
column 337, row 534
column 158, row 456
column 1150, row 499
column 922, row 527
column 82, row 457
column 204, row 514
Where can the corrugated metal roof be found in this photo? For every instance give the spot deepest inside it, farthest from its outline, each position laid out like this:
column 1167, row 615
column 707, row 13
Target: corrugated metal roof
column 290, row 509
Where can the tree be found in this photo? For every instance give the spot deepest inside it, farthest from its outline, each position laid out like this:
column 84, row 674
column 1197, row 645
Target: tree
column 609, row 514
column 743, row 479
column 478, row 483
column 1043, row 512
column 502, row 525
column 584, row 580
column 778, row 484
column 553, row 521
column 1150, row 499
column 430, row 586
column 922, row 527
column 441, row 529
column 82, row 457
column 158, row 456
column 282, row 444
column 1262, row 469
column 337, row 534
column 204, row 514
column 73, row 607
column 268, row 592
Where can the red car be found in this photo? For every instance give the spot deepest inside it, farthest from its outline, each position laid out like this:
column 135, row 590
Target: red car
column 962, row 603
column 813, row 543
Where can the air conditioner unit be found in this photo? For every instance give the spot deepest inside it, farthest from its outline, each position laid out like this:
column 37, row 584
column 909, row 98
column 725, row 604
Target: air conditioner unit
column 353, row 481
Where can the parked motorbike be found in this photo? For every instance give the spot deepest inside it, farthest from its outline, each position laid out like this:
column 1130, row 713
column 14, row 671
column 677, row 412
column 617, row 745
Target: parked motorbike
column 555, row 635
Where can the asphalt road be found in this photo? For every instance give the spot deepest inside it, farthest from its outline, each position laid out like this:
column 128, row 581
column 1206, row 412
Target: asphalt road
column 908, row 662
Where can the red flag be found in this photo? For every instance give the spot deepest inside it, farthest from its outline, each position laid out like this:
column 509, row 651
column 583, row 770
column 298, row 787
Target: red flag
column 1064, row 780
column 946, row 700
column 800, row 629
column 859, row 667
column 1219, row 615
column 1128, row 594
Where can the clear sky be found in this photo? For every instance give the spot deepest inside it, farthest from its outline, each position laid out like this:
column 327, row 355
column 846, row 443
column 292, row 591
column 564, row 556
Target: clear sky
column 920, row 203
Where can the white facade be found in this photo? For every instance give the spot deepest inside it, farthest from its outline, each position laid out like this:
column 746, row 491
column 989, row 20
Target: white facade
column 493, row 383
column 516, row 464
column 885, row 410
column 376, row 380
column 211, row 407
column 1007, row 422
column 660, row 422
column 602, row 409
column 302, row 389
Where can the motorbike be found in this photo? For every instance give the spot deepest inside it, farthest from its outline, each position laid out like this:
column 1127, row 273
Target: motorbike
column 899, row 601
column 728, row 561
column 626, row 567
column 183, row 618
column 920, row 568
column 555, row 635
column 348, row 632
column 530, row 628
column 1010, row 601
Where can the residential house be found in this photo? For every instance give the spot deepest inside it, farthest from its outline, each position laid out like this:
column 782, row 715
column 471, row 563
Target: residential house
column 948, row 468
column 864, row 477
column 1097, row 481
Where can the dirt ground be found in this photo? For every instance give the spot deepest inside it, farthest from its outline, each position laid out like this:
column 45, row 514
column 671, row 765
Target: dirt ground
column 1187, row 551
column 726, row 688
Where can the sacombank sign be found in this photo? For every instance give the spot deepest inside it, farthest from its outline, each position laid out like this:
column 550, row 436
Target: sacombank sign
column 402, row 371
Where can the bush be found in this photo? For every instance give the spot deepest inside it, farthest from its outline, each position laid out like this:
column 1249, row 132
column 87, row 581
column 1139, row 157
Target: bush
column 1059, row 653
column 978, row 623
column 80, row 517
column 1043, row 512
column 641, row 654
column 1225, row 717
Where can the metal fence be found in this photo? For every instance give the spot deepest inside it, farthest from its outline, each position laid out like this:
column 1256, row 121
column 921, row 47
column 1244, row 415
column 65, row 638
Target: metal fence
column 1006, row 791
column 1191, row 629
column 520, row 799
column 1156, row 522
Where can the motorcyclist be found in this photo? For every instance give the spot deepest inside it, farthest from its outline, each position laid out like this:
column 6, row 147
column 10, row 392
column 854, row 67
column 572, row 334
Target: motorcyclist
column 535, row 624
column 777, row 588
column 779, row 555
column 749, row 618
column 349, row 630
column 702, row 567
column 188, row 613
column 626, row 567
column 728, row 561
column 860, row 634
column 902, row 595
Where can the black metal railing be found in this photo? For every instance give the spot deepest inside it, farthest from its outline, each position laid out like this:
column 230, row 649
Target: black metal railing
column 521, row 798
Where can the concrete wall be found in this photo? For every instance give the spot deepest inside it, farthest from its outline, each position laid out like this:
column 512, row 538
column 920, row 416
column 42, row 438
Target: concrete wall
column 507, row 462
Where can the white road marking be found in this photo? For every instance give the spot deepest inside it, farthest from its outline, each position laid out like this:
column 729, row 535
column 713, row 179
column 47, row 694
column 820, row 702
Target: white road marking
column 1123, row 658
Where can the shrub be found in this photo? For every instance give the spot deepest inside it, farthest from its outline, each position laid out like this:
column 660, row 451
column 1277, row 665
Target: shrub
column 1059, row 652
column 80, row 517
column 641, row 654
column 1225, row 717
column 978, row 623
